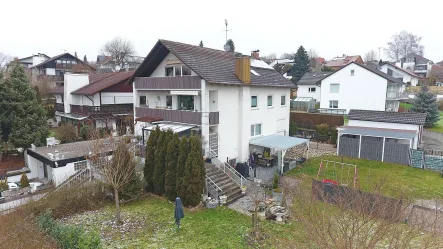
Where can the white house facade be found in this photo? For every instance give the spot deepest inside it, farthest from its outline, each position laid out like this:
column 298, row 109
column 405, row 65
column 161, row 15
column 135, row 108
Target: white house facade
column 356, row 86
column 98, row 100
column 399, row 73
column 415, row 63
column 226, row 100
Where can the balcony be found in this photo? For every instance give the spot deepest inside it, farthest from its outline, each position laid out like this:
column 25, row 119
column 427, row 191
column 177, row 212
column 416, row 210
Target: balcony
column 50, row 77
column 168, row 83
column 394, row 95
column 179, row 116
column 59, row 107
column 104, row 109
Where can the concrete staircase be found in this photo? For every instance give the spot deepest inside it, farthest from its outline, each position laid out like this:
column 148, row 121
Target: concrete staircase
column 227, row 186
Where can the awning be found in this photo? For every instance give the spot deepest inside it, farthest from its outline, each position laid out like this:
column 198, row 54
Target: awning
column 278, row 142
column 71, row 116
column 193, row 93
column 176, row 128
column 149, row 119
column 303, row 99
column 377, row 132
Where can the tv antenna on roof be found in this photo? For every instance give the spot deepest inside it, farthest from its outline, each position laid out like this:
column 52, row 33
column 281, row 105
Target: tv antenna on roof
column 226, row 29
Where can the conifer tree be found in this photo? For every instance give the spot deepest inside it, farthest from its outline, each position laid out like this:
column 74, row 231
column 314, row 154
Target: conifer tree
column 301, row 64
column 22, row 118
column 201, row 44
column 426, row 102
column 194, row 173
column 171, row 167
column 160, row 162
column 230, row 42
column 181, row 163
column 148, row 171
column 85, row 59
column 24, row 181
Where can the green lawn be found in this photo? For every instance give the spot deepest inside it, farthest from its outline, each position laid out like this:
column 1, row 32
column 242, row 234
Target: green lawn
column 439, row 126
column 152, row 226
column 395, row 179
column 405, row 105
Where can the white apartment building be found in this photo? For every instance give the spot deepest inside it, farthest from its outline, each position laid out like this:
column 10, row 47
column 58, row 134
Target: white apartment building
column 399, row 73
column 229, row 100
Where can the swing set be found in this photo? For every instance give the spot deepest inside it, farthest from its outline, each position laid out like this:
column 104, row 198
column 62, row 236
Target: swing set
column 338, row 173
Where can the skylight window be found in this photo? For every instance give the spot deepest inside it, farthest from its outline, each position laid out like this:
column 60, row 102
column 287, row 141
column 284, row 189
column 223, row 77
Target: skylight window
column 254, row 72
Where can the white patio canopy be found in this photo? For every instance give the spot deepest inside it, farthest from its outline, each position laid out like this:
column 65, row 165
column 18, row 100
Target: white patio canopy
column 279, row 143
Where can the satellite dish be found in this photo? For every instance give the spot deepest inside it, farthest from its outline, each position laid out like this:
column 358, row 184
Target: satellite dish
column 227, row 48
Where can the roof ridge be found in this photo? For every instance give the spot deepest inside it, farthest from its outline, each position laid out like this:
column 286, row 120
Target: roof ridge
column 196, row 46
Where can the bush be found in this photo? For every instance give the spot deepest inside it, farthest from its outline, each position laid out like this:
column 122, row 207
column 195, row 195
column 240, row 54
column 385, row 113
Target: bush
column 334, row 134
column 85, row 132
column 67, row 236
column 24, row 182
column 275, row 181
column 440, row 105
column 4, row 185
column 133, row 189
column 322, row 132
column 66, row 134
column 292, row 128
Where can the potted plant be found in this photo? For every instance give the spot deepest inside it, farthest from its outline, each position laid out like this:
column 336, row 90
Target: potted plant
column 277, row 193
column 243, row 189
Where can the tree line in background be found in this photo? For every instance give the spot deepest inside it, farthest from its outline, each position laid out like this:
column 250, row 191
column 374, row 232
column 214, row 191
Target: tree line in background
column 174, row 166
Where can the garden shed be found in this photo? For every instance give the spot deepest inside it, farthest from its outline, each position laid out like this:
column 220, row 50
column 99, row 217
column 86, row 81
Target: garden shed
column 303, row 103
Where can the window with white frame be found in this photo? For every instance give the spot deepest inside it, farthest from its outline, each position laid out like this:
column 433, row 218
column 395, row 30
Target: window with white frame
column 255, row 130
column 177, row 71
column 254, row 101
column 334, row 88
column 312, row 89
column 142, row 100
column 80, row 165
column 269, row 100
column 169, row 101
column 283, row 100
column 352, row 72
column 333, row 103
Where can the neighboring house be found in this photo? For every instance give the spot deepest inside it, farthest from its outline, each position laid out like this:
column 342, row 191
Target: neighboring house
column 61, row 162
column 53, row 69
column 229, row 100
column 105, row 64
column 310, row 85
column 381, row 136
column 102, row 100
column 437, row 73
column 415, row 63
column 285, row 65
column 33, row 60
column 354, row 86
column 399, row 73
column 338, row 62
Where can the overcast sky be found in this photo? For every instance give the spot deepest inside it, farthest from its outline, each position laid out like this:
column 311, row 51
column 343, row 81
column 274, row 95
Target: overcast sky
column 330, row 27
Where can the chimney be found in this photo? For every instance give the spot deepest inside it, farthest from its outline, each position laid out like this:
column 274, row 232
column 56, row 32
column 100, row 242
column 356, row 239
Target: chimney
column 255, row 54
column 243, row 69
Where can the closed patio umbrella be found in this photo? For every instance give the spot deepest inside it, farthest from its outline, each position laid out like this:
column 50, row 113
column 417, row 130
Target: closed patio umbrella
column 178, row 211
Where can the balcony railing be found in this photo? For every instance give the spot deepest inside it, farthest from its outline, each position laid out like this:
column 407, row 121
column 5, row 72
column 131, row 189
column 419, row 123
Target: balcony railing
column 393, row 95
column 168, row 83
column 187, row 117
column 50, row 77
column 104, row 109
column 59, row 107
column 332, row 111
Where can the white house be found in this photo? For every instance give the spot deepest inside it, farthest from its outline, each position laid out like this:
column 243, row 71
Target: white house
column 33, row 60
column 310, row 85
column 356, row 86
column 101, row 100
column 380, row 135
column 415, row 63
column 229, row 100
column 399, row 73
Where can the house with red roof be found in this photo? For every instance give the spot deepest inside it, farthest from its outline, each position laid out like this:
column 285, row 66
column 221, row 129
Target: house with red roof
column 100, row 100
column 340, row 61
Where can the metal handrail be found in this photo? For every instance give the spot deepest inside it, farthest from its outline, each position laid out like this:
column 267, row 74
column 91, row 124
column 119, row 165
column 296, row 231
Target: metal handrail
column 215, row 189
column 213, row 184
column 77, row 177
column 232, row 173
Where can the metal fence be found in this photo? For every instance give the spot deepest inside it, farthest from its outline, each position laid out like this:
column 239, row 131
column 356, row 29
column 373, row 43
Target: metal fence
column 427, row 159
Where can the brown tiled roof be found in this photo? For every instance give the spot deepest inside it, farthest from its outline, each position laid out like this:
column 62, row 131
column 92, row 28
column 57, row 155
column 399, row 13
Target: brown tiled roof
column 389, row 117
column 342, row 62
column 313, row 78
column 215, row 66
column 103, row 81
column 378, row 72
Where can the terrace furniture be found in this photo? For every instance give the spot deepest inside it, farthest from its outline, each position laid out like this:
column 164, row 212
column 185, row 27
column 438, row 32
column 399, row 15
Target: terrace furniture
column 50, row 141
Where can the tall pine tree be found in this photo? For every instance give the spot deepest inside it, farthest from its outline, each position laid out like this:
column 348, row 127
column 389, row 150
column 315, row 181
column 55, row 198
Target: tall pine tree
column 22, row 118
column 201, row 44
column 159, row 164
column 183, row 152
column 148, row 171
column 426, row 102
column 301, row 64
column 194, row 173
column 171, row 167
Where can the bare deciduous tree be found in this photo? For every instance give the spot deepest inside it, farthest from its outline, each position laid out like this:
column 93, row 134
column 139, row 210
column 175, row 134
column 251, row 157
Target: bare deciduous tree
column 116, row 170
column 4, row 60
column 402, row 44
column 371, row 55
column 288, row 56
column 312, row 53
column 270, row 57
column 119, row 49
